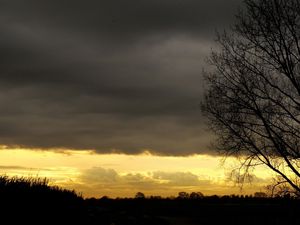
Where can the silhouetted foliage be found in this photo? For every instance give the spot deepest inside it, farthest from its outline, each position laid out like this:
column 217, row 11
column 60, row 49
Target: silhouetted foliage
column 233, row 210
column 139, row 195
column 33, row 201
column 253, row 98
column 155, row 197
column 183, row 195
column 196, row 195
column 260, row 195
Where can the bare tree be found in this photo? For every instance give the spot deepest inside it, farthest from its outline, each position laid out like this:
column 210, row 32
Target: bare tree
column 253, row 95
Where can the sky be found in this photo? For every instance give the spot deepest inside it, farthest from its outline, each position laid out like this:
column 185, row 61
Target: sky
column 112, row 79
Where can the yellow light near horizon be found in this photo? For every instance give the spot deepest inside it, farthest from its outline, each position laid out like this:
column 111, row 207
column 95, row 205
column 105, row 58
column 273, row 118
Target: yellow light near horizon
column 68, row 167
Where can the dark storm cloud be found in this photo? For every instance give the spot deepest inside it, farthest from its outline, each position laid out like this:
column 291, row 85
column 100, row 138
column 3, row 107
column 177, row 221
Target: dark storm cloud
column 134, row 17
column 106, row 75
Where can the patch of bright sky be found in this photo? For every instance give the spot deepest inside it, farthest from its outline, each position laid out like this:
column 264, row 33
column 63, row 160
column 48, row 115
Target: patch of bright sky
column 66, row 167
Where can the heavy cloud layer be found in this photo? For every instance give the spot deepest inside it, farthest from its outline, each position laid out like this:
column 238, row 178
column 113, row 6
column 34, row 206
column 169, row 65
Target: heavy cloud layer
column 106, row 75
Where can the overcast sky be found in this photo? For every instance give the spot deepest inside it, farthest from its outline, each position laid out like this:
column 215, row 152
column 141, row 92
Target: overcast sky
column 116, row 75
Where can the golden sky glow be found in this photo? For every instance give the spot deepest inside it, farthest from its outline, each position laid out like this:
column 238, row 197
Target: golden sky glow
column 123, row 175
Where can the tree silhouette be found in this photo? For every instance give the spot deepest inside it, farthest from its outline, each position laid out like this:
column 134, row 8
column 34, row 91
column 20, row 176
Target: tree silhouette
column 140, row 195
column 253, row 95
column 196, row 195
column 183, row 195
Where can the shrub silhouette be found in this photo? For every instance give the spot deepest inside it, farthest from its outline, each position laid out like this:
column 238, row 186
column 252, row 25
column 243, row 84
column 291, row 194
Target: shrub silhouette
column 33, row 201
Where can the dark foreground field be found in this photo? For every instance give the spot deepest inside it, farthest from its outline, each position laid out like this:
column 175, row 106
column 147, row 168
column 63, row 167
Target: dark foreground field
column 209, row 210
column 32, row 201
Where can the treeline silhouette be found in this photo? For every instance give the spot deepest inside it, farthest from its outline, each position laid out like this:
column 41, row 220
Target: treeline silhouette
column 228, row 209
column 34, row 201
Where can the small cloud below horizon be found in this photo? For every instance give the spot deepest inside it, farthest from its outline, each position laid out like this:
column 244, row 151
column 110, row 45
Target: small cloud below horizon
column 98, row 179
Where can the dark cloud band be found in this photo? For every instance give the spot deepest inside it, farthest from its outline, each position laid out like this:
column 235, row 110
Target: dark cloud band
column 106, row 75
